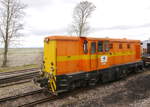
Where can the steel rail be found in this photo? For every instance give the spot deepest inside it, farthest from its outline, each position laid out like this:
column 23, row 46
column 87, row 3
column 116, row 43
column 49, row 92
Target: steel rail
column 8, row 78
column 31, row 104
column 20, row 95
column 51, row 98
column 18, row 71
column 15, row 83
column 18, row 77
column 19, row 74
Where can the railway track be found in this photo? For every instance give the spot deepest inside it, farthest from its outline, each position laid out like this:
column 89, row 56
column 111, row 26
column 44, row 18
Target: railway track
column 11, row 78
column 31, row 104
column 32, row 93
column 20, row 95
column 17, row 72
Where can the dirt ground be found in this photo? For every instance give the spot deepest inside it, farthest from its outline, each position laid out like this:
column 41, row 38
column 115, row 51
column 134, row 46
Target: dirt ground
column 23, row 56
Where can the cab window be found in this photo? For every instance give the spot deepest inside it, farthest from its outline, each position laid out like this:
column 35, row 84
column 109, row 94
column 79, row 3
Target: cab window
column 111, row 46
column 128, row 46
column 100, row 46
column 106, row 46
column 93, row 47
column 85, row 46
column 120, row 46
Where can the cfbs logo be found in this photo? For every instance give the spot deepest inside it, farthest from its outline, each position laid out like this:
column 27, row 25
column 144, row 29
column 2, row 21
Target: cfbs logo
column 104, row 59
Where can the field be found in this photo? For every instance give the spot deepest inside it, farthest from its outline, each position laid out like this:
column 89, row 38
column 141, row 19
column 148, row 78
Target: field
column 23, row 57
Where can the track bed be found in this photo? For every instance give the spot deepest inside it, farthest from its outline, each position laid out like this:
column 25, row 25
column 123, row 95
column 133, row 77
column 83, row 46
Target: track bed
column 16, row 77
column 131, row 91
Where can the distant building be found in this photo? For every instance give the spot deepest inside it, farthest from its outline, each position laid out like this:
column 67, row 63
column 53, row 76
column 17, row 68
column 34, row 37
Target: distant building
column 144, row 43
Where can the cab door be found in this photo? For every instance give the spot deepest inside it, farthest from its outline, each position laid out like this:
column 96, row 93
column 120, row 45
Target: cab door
column 102, row 54
column 138, row 51
column 93, row 56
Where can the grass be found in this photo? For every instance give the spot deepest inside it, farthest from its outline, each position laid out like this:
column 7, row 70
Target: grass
column 11, row 69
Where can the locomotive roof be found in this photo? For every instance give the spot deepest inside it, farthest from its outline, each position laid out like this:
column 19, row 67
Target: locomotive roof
column 89, row 38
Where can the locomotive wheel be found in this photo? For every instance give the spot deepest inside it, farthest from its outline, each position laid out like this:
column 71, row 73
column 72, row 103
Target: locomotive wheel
column 124, row 73
column 139, row 69
column 121, row 73
column 93, row 81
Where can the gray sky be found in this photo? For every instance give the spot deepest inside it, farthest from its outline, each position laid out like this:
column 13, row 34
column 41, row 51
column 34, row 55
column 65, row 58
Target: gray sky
column 112, row 18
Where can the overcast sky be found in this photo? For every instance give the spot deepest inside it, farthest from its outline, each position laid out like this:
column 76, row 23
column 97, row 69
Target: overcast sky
column 112, row 18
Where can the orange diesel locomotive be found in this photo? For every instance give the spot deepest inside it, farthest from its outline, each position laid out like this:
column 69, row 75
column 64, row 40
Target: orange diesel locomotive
column 71, row 62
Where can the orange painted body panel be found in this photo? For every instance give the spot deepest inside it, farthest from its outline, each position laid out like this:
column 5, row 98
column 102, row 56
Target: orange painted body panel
column 71, row 57
column 66, row 67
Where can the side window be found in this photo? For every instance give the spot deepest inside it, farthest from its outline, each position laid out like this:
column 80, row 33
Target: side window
column 111, row 46
column 106, row 46
column 128, row 46
column 93, row 47
column 100, row 46
column 85, row 46
column 120, row 46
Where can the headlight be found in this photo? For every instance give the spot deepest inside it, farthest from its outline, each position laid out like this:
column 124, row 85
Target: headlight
column 47, row 40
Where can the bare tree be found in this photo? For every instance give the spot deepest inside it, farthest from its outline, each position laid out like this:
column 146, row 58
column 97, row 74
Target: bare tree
column 11, row 12
column 81, row 13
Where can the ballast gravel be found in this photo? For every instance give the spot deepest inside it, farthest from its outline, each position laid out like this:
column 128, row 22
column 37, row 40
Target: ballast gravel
column 133, row 91
column 17, row 89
